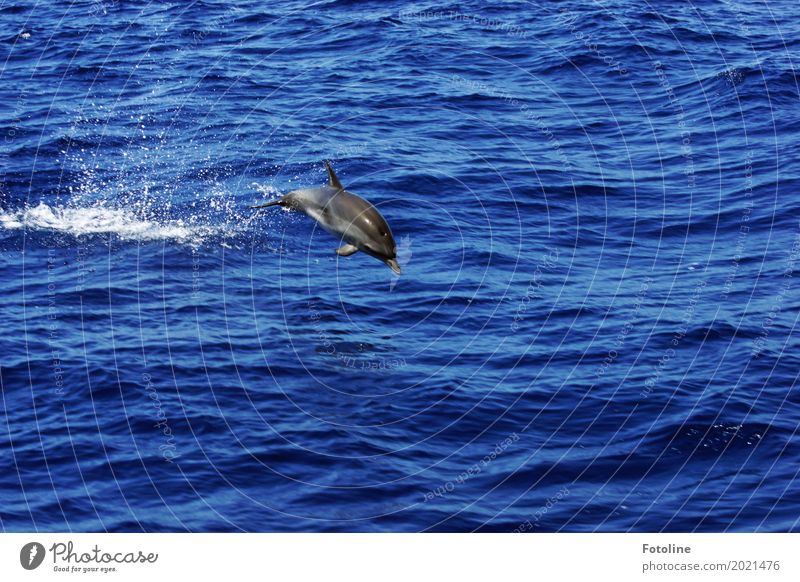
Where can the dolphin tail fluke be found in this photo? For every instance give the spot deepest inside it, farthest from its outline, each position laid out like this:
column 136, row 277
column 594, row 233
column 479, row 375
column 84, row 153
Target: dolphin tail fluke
column 273, row 203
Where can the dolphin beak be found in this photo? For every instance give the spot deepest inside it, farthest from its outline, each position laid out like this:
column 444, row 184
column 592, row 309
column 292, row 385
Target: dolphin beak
column 394, row 265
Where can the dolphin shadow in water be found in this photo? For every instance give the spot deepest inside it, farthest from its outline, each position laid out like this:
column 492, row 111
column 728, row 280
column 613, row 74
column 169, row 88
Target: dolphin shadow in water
column 347, row 216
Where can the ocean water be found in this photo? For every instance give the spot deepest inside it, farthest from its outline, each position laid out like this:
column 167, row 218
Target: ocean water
column 596, row 211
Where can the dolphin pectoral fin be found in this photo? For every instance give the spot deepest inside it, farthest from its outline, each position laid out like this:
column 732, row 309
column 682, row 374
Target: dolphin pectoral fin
column 273, row 203
column 333, row 180
column 346, row 250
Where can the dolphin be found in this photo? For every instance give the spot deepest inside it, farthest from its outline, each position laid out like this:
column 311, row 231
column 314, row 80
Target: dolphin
column 352, row 219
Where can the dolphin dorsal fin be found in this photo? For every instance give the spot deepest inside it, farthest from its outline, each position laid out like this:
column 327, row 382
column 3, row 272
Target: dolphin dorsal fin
column 333, row 180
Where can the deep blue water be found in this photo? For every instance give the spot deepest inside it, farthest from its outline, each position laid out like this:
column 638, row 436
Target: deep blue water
column 596, row 208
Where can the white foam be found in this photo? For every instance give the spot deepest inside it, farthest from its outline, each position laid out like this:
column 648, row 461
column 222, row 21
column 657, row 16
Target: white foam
column 100, row 220
column 216, row 214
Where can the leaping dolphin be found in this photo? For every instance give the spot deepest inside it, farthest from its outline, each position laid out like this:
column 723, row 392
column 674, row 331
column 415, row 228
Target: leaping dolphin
column 343, row 214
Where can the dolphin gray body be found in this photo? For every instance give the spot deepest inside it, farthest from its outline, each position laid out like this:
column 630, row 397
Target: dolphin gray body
column 347, row 216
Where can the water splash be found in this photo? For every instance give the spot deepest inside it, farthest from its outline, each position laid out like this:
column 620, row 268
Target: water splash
column 144, row 219
column 80, row 221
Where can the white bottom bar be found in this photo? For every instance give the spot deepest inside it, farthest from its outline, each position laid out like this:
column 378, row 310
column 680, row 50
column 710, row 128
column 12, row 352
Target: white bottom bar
column 400, row 557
